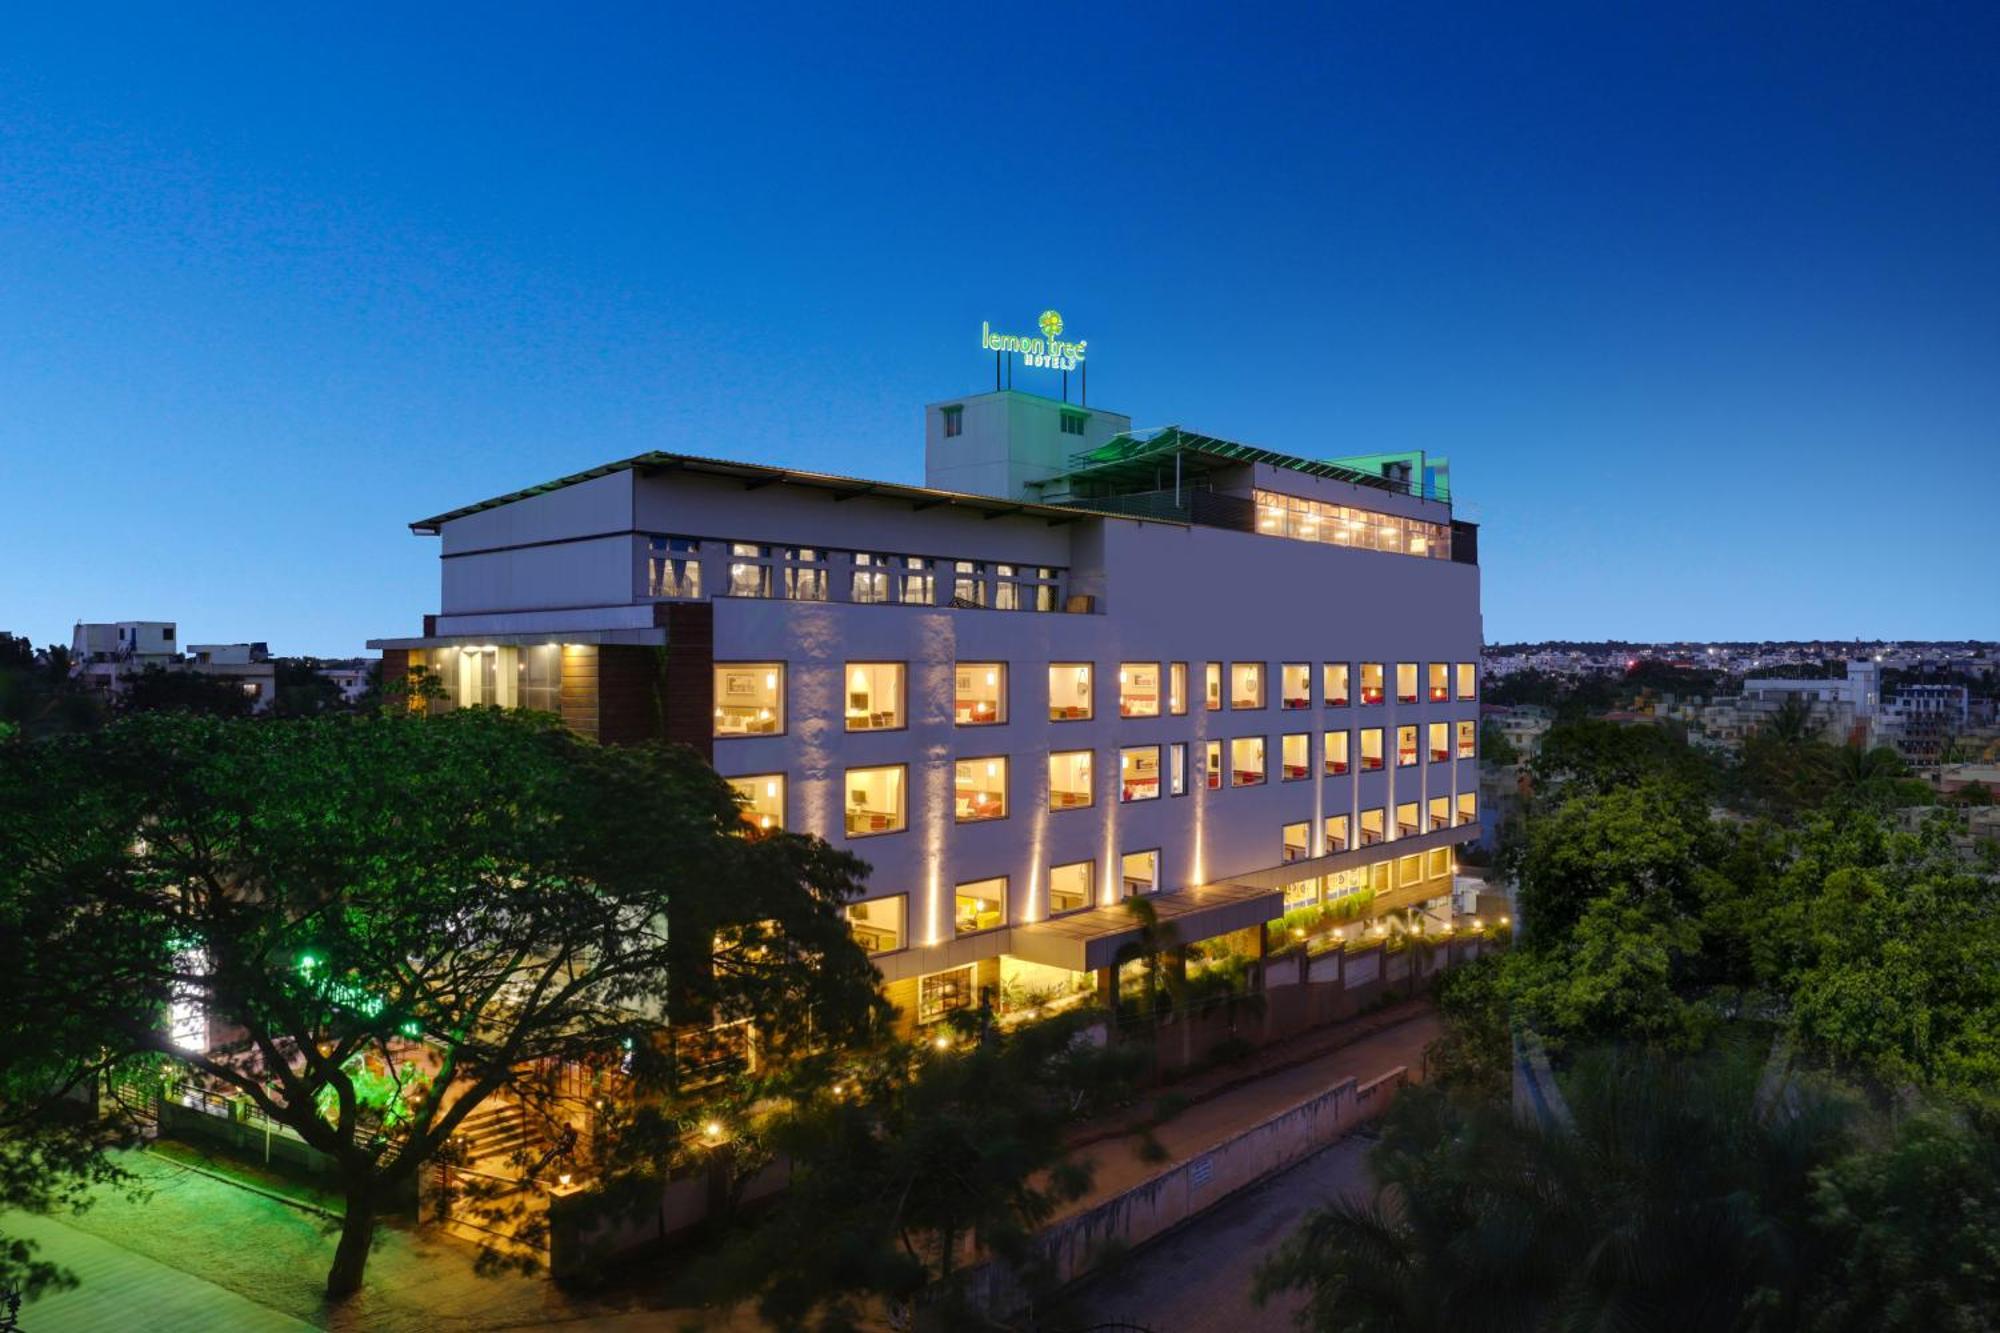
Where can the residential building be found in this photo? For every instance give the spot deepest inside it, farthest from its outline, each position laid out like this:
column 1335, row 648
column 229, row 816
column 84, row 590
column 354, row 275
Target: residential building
column 1085, row 663
column 107, row 655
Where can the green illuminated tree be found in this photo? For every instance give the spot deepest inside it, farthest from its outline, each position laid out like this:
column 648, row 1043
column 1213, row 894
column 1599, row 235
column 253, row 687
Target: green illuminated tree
column 388, row 921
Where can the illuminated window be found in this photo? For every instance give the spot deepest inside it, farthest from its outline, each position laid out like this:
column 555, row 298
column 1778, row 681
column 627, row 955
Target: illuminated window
column 1438, row 814
column 1211, row 765
column 1406, row 746
column 1246, row 761
column 1295, row 756
column 1378, row 878
column 1335, row 747
column 943, row 993
column 502, row 677
column 1371, row 682
column 1468, row 740
column 878, row 923
column 980, row 905
column 1069, row 691
column 968, row 584
column 1295, row 685
column 919, row 581
column 1468, row 807
column 1437, row 862
column 1138, row 689
column 871, row 581
column 1345, row 883
column 673, row 567
column 1333, row 682
column 875, row 696
column 1211, row 674
column 1301, row 893
column 1140, row 872
column 1371, row 749
column 875, row 800
column 1296, row 842
column 1438, row 684
column 1409, row 871
column 979, row 789
column 763, row 799
column 1372, row 830
column 1246, row 684
column 1139, row 773
column 1406, row 820
column 1177, row 687
column 1069, row 780
column 1406, row 682
column 1468, row 680
column 805, row 573
column 1177, row 769
column 1336, row 834
column 750, row 699
column 1072, row 887
column 981, row 694
column 1440, row 742
column 749, row 570
column 1025, row 587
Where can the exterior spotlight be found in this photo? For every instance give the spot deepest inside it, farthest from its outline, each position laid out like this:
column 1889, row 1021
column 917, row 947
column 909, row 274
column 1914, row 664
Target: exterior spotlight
column 942, row 1042
column 713, row 1129
column 563, row 1180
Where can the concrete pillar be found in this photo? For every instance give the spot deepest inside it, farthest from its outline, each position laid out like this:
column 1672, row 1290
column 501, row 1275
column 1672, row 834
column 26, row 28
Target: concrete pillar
column 1107, row 988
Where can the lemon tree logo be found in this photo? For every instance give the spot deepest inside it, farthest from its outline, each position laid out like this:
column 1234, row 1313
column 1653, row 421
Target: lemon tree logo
column 1048, row 352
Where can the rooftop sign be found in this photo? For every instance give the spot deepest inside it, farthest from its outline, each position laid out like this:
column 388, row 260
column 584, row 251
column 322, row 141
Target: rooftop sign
column 1048, row 352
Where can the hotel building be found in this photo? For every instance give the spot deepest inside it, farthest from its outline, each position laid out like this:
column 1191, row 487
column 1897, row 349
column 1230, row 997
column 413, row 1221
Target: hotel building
column 1083, row 663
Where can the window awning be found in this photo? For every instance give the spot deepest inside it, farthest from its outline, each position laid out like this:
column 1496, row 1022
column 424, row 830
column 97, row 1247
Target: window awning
column 1086, row 941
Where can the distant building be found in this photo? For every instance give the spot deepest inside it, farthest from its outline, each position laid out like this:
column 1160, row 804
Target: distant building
column 351, row 678
column 106, row 655
column 248, row 664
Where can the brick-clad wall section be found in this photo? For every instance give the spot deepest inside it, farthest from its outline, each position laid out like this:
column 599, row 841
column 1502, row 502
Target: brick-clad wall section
column 688, row 693
column 577, row 695
column 629, row 689
column 395, row 667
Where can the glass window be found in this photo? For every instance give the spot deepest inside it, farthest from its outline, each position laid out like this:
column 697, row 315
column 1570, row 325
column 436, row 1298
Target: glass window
column 1069, row 691
column 1069, row 780
column 1177, row 769
column 673, row 567
column 1438, row 814
column 878, row 923
column 919, row 582
column 1437, row 685
column 1141, row 873
column 871, row 578
column 1437, row 861
column 1406, row 682
column 875, row 800
column 1371, row 827
column 1211, row 673
column 954, row 421
column 1138, row 689
column 1246, row 761
column 1371, row 682
column 749, row 570
column 1295, row 685
column 1333, row 682
column 1406, row 820
column 981, row 694
column 875, row 696
column 1072, row 887
column 1468, row 680
column 1406, row 746
column 1336, row 834
column 1295, row 755
column 968, row 583
column 1409, row 870
column 1177, row 687
column 980, row 905
column 763, row 799
column 1007, row 589
column 1468, row 740
column 1297, row 839
column 1378, row 878
column 805, row 573
column 1301, row 893
column 1468, row 807
column 1334, row 748
column 979, row 789
column 540, row 677
column 1139, row 773
column 943, row 993
column 750, row 699
column 1246, row 684
column 1440, row 742
column 1212, row 764
column 1371, row 749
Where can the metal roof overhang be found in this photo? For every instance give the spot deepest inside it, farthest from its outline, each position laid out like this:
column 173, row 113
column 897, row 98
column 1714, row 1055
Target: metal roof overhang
column 653, row 637
column 1086, row 941
column 1133, row 458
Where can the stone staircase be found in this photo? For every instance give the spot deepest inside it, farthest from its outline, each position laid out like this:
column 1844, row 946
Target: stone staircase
column 493, row 1135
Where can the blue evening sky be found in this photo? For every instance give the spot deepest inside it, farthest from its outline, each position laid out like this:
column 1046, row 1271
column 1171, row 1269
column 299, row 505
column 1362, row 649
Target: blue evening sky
column 1702, row 301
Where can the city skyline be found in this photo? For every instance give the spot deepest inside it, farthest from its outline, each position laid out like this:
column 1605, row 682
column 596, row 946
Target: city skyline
column 1699, row 322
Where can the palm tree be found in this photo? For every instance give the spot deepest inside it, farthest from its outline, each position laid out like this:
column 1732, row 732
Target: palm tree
column 1156, row 940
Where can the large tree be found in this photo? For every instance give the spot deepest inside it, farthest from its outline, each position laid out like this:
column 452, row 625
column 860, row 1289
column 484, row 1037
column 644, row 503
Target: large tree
column 384, row 922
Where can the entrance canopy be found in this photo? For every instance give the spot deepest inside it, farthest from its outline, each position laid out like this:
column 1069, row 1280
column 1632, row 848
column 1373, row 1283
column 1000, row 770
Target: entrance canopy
column 1086, row 941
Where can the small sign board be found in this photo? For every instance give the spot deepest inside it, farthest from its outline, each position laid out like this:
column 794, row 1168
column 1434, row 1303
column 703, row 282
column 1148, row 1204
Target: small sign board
column 1200, row 1171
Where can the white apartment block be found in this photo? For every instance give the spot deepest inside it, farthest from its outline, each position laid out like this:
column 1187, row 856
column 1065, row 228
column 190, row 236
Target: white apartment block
column 1086, row 663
